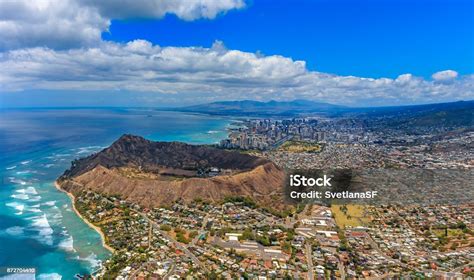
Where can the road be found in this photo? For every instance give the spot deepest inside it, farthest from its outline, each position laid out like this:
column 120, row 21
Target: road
column 170, row 239
column 170, row 272
column 133, row 275
column 175, row 243
column 382, row 253
column 281, row 141
column 341, row 270
column 201, row 231
column 309, row 258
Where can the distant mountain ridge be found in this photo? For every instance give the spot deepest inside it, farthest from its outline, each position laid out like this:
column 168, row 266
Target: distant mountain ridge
column 453, row 114
column 258, row 108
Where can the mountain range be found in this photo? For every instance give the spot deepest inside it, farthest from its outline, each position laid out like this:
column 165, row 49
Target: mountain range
column 460, row 113
column 258, row 108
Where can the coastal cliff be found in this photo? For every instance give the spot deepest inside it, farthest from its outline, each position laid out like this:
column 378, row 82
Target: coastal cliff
column 154, row 174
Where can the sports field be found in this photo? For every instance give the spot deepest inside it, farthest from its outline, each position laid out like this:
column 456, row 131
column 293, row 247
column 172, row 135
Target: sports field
column 350, row 215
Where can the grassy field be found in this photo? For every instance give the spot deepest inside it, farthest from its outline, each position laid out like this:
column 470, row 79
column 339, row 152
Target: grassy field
column 300, row 147
column 352, row 215
column 451, row 232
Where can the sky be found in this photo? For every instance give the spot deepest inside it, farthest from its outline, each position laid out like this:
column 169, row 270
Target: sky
column 181, row 52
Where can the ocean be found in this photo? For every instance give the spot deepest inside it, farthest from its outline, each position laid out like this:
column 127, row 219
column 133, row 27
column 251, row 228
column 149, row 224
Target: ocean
column 38, row 228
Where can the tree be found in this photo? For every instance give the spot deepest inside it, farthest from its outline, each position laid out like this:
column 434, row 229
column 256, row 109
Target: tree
column 165, row 227
column 247, row 235
column 193, row 234
column 461, row 225
column 212, row 276
column 181, row 238
column 286, row 246
column 264, row 240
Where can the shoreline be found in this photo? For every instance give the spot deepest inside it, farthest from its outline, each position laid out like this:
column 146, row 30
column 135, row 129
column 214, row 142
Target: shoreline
column 91, row 225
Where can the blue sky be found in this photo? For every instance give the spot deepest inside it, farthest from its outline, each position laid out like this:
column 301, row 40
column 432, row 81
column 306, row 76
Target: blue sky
column 361, row 38
column 180, row 52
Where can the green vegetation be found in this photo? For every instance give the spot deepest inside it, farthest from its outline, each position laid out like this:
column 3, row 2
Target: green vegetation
column 451, row 232
column 181, row 238
column 180, row 235
column 286, row 247
column 165, row 227
column 247, row 235
column 264, row 240
column 300, row 147
column 281, row 214
column 300, row 208
column 246, row 201
column 117, row 263
column 193, row 234
column 290, row 234
column 349, row 215
column 221, row 232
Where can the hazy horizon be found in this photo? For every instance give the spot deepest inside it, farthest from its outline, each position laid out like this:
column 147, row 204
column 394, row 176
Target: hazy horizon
column 18, row 104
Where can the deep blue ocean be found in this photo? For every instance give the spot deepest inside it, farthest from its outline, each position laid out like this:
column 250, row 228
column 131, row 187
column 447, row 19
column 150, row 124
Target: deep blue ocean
column 37, row 225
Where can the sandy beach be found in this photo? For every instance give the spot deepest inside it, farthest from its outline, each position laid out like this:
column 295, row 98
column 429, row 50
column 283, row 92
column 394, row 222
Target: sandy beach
column 96, row 228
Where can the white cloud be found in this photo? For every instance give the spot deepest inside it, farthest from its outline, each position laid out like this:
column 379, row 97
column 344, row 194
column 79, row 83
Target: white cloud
column 184, row 9
column 56, row 45
column 444, row 76
column 216, row 72
column 64, row 24
column 52, row 23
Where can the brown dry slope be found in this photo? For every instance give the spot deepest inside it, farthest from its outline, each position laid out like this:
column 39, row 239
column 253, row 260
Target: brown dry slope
column 247, row 176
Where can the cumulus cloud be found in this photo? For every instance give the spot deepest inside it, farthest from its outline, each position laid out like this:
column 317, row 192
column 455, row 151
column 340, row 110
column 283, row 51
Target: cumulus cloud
column 140, row 66
column 444, row 76
column 55, row 24
column 184, row 9
column 64, row 24
column 56, row 45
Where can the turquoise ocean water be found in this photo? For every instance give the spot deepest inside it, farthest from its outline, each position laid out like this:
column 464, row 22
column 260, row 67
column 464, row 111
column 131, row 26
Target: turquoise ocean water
column 37, row 226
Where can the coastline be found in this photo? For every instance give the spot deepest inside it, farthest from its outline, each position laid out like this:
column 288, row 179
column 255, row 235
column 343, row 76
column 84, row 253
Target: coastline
column 91, row 225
